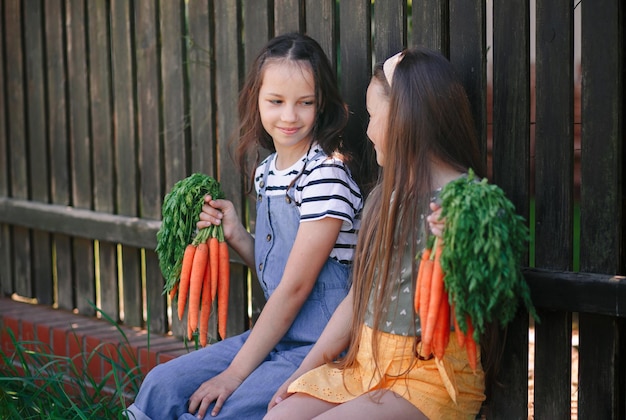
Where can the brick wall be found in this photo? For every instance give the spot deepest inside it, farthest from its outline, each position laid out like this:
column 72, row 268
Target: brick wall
column 75, row 336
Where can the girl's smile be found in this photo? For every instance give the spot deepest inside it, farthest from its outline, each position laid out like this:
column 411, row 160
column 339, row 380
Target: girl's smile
column 288, row 108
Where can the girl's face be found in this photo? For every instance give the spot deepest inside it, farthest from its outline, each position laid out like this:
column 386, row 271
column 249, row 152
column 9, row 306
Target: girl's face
column 287, row 105
column 377, row 105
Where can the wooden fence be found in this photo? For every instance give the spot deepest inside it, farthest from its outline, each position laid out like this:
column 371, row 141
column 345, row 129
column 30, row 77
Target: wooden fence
column 104, row 105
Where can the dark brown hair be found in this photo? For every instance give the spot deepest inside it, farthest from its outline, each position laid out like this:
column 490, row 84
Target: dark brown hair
column 332, row 112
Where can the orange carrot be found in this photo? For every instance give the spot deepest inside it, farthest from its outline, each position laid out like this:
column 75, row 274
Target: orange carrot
column 205, row 306
column 223, row 288
column 441, row 333
column 189, row 332
column 470, row 345
column 214, row 261
column 424, row 301
column 185, row 275
column 173, row 292
column 420, row 277
column 425, row 290
column 195, row 283
column 460, row 336
column 436, row 292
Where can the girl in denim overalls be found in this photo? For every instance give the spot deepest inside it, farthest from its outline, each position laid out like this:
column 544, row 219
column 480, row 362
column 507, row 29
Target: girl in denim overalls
column 305, row 234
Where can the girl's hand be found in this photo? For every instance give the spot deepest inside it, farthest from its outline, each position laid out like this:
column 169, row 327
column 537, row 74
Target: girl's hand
column 217, row 389
column 219, row 212
column 280, row 395
column 434, row 220
column 222, row 212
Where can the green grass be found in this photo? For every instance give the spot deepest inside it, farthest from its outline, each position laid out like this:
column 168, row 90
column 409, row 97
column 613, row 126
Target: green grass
column 36, row 384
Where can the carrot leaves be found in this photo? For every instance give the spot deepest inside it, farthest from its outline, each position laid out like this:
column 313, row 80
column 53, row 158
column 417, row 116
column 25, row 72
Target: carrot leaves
column 485, row 241
column 180, row 211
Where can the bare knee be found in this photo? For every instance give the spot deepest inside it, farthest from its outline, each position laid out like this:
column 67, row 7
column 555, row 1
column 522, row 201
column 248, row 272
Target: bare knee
column 298, row 406
column 278, row 412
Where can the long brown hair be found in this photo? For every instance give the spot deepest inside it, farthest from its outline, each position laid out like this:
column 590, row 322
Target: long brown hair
column 332, row 112
column 429, row 120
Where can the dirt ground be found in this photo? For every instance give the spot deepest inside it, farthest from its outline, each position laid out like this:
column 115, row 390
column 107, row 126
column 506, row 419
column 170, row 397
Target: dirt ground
column 531, row 364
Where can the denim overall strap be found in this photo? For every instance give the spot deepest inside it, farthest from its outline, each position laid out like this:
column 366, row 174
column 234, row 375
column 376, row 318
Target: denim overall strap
column 274, row 236
column 278, row 220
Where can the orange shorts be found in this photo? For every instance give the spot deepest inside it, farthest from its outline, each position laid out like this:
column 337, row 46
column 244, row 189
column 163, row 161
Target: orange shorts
column 441, row 389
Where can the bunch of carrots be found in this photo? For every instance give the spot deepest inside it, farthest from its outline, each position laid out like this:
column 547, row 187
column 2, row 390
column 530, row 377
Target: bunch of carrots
column 471, row 274
column 195, row 265
column 204, row 276
column 432, row 303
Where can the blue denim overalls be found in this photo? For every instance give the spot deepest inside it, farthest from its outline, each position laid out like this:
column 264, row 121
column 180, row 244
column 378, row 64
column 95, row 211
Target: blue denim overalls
column 165, row 391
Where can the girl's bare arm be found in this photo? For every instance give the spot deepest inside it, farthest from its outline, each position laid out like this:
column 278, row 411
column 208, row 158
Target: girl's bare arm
column 333, row 340
column 313, row 244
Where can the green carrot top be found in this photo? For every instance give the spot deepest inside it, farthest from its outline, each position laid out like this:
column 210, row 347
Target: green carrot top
column 180, row 211
column 484, row 242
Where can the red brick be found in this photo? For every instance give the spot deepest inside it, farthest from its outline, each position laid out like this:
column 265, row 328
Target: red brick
column 100, row 346
column 29, row 325
column 109, row 355
column 13, row 325
column 79, row 350
column 168, row 354
column 46, row 328
column 148, row 355
column 59, row 339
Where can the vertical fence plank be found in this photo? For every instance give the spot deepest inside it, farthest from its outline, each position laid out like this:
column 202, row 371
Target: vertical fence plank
column 58, row 144
column 356, row 61
column 99, row 49
column 430, row 24
column 174, row 124
column 554, row 196
column 602, row 135
column 554, row 136
column 173, row 110
column 390, row 28
column 150, row 158
column 511, row 143
column 37, row 146
column 125, row 150
column 468, row 53
column 6, row 262
column 175, row 156
column 602, row 213
column 320, row 25
column 200, row 60
column 21, row 245
column 258, row 28
column 511, row 99
column 288, row 16
column 227, row 59
column 80, row 142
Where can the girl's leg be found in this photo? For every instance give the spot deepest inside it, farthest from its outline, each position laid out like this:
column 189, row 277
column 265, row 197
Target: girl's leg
column 299, row 406
column 166, row 389
column 387, row 405
column 251, row 398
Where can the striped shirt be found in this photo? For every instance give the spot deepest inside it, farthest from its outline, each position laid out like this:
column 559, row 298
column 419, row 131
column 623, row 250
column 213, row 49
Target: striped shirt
column 324, row 189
